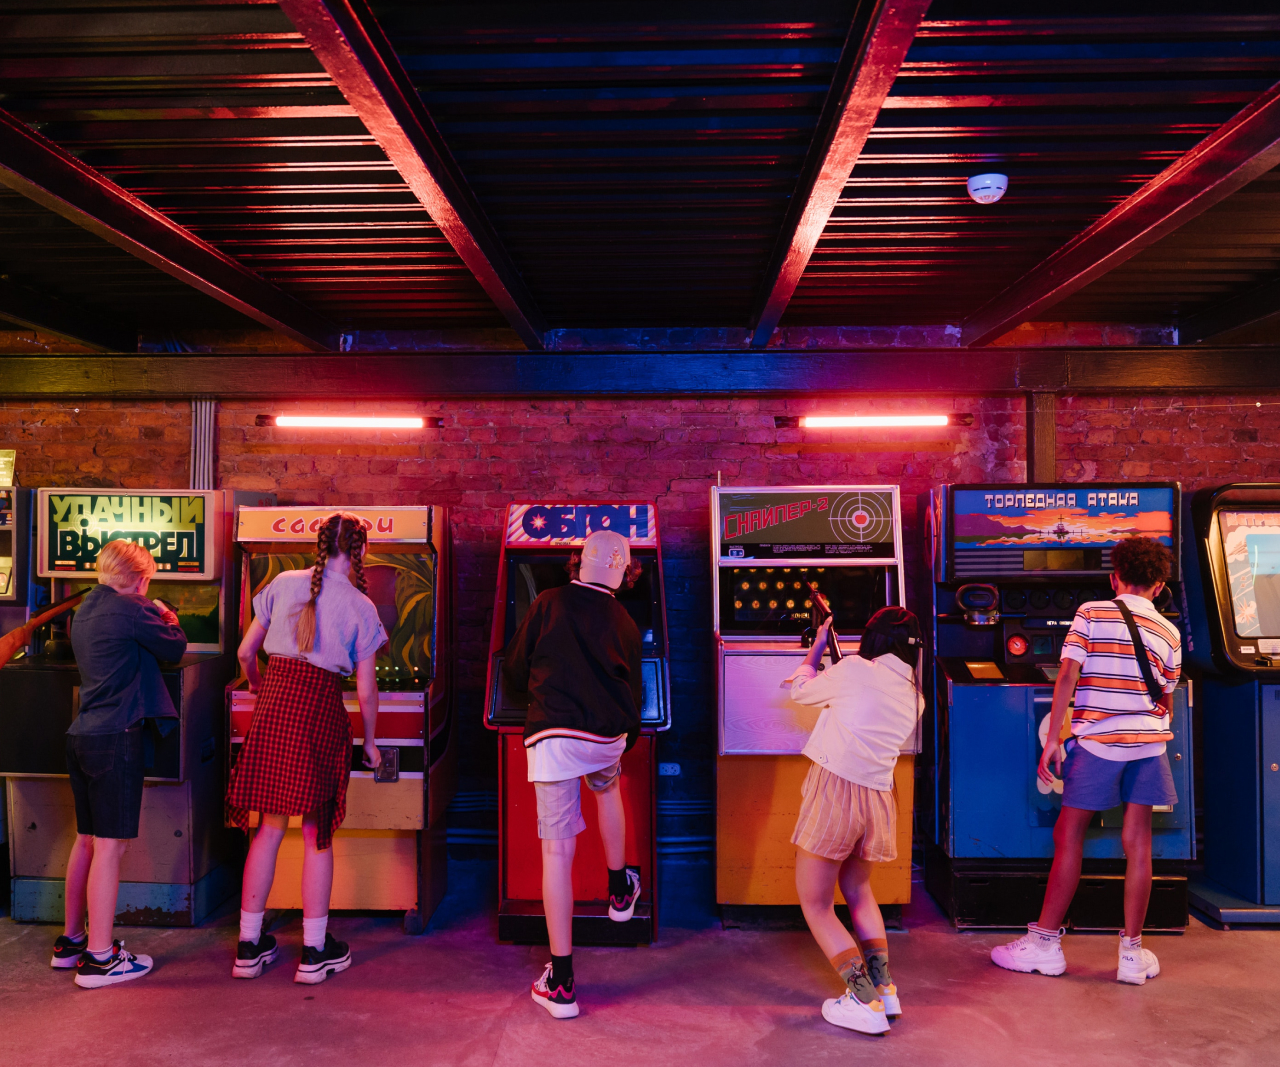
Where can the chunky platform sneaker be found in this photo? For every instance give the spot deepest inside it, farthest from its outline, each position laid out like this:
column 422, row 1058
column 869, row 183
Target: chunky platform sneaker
column 252, row 957
column 1033, row 951
column 1137, row 964
column 120, row 966
column 622, row 908
column 317, row 964
column 66, row 953
column 848, row 1011
column 561, row 1003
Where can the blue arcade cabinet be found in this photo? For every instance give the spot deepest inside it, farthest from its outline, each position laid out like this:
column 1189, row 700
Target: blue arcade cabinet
column 1011, row 564
column 1233, row 587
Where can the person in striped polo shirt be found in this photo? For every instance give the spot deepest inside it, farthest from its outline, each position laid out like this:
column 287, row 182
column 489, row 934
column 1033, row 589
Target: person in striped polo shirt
column 1116, row 753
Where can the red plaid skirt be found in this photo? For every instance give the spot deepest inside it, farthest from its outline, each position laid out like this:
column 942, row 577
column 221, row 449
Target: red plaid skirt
column 296, row 757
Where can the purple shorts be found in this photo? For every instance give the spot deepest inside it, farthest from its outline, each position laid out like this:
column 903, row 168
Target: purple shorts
column 1092, row 783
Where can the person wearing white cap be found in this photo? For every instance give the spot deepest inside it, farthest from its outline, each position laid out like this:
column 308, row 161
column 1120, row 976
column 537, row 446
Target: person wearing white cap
column 577, row 654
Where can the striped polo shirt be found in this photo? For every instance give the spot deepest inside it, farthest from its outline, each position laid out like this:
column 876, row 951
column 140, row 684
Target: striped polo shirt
column 1114, row 716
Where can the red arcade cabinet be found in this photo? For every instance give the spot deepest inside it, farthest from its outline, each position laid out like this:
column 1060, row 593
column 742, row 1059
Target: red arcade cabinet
column 536, row 548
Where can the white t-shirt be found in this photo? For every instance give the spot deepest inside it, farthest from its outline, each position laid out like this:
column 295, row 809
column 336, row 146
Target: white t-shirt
column 558, row 759
column 871, row 707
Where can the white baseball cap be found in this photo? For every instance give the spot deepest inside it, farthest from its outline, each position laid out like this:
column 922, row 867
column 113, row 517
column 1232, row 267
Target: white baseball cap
column 605, row 557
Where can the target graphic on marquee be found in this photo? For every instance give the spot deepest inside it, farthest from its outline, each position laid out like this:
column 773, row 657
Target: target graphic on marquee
column 862, row 518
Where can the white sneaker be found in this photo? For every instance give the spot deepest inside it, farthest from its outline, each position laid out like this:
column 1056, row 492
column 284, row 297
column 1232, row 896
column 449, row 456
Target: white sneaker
column 1032, row 952
column 1137, row 964
column 848, row 1011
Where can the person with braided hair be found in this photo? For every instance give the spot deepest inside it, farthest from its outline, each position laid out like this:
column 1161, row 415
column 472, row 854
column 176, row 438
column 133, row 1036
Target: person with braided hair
column 317, row 627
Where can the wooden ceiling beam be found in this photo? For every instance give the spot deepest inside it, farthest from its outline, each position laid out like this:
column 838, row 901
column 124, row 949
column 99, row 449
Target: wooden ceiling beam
column 873, row 52
column 941, row 372
column 38, row 169
column 347, row 40
column 1228, row 159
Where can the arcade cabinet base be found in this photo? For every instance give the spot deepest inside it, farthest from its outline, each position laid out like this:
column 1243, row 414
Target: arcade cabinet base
column 523, row 922
column 1225, row 907
column 990, row 894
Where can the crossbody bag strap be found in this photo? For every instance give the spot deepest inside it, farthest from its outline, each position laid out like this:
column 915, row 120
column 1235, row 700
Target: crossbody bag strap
column 1154, row 691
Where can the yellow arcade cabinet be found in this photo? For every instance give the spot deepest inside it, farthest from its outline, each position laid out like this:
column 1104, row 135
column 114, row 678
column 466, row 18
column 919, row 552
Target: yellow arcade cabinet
column 767, row 545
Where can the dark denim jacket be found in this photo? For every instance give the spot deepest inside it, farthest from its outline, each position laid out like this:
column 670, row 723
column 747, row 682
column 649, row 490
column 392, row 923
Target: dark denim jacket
column 118, row 639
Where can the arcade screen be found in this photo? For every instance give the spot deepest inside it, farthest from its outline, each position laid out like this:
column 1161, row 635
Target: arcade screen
column 1069, row 530
column 1251, row 545
column 196, row 604
column 775, row 600
column 527, row 576
column 401, row 586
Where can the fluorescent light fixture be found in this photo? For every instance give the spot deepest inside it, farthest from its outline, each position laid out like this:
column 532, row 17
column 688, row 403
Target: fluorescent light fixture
column 817, row 422
column 353, row 422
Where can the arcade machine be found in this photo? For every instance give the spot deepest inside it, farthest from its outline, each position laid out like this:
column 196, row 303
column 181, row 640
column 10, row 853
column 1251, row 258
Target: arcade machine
column 539, row 541
column 390, row 854
column 184, row 863
column 767, row 546
column 16, row 539
column 1011, row 563
column 1233, row 592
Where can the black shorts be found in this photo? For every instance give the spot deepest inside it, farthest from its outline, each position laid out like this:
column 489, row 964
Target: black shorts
column 106, row 780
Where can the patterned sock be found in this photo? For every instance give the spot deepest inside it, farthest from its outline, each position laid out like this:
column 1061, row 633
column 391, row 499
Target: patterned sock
column 562, row 972
column 1131, row 942
column 1046, row 936
column 852, row 969
column 619, row 883
column 877, row 953
column 313, row 931
column 251, row 925
column 75, row 939
column 104, row 955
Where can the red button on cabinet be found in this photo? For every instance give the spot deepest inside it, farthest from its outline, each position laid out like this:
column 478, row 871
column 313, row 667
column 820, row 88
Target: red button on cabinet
column 1016, row 645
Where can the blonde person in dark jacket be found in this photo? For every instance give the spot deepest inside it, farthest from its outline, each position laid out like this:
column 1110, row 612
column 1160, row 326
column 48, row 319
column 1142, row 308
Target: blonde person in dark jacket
column 577, row 653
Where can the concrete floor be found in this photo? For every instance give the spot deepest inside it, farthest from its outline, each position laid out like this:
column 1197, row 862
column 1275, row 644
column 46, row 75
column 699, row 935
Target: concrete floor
column 701, row 995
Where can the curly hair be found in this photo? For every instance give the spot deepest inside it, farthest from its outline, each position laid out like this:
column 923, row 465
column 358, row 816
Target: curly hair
column 1141, row 562
column 341, row 534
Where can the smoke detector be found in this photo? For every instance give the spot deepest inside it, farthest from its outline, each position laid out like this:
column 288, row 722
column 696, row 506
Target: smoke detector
column 988, row 188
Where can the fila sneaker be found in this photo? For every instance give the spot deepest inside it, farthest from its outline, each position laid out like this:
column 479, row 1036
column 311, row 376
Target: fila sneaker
column 1033, row 951
column 1137, row 964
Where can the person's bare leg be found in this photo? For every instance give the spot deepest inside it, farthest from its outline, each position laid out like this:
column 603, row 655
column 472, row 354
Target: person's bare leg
column 855, row 884
column 557, row 892
column 104, row 891
column 260, row 864
column 76, row 894
column 1136, row 837
column 317, row 871
column 1064, row 876
column 613, row 825
column 816, row 886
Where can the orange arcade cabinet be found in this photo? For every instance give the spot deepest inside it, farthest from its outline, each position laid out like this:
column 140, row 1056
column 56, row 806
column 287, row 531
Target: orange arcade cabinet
column 390, row 852
column 539, row 540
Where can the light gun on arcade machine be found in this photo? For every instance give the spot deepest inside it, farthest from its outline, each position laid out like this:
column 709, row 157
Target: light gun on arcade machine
column 1011, row 564
column 539, row 541
column 390, row 853
column 783, row 558
column 1233, row 591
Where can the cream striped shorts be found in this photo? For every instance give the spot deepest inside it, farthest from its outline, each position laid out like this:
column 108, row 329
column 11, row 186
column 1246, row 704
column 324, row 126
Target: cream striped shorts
column 840, row 818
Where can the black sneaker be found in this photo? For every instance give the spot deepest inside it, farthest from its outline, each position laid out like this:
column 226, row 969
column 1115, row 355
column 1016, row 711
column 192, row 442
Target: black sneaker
column 318, row 963
column 622, row 908
column 66, row 952
column 120, row 966
column 252, row 957
column 562, row 1003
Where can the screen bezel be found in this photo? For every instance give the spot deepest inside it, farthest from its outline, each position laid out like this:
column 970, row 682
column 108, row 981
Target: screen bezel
column 1073, row 487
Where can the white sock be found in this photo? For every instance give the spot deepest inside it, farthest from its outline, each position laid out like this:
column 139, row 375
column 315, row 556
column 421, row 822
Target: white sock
column 1048, row 935
column 313, row 931
column 251, row 925
column 1131, row 942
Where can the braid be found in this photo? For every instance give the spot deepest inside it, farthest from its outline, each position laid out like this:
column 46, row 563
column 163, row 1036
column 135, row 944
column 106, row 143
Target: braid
column 304, row 631
column 352, row 541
